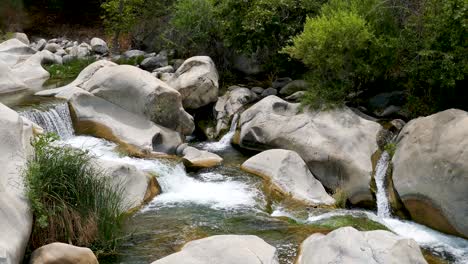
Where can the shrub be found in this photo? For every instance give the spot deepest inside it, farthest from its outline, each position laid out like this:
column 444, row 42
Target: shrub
column 343, row 50
column 72, row 202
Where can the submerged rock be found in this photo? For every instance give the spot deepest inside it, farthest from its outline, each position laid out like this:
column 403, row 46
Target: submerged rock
column 337, row 145
column 288, row 173
column 430, row 170
column 347, row 245
column 63, row 253
column 15, row 215
column 197, row 81
column 224, row 249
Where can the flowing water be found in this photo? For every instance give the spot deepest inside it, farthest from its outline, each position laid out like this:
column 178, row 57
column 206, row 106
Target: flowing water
column 225, row 141
column 55, row 119
column 225, row 200
column 383, row 205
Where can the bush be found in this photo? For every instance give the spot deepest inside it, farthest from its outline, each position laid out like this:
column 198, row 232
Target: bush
column 343, row 51
column 72, row 202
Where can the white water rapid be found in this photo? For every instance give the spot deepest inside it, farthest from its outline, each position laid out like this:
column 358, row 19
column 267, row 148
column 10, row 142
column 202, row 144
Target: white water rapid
column 55, row 119
column 212, row 189
column 225, row 141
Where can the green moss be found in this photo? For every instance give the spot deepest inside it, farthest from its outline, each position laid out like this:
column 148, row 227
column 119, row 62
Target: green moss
column 390, row 148
column 131, row 61
column 360, row 223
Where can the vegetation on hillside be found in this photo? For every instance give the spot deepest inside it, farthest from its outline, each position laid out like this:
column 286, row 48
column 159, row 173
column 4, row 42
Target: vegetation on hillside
column 344, row 47
column 72, row 202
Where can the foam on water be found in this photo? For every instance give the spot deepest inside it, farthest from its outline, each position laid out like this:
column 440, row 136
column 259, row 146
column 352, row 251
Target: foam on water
column 212, row 189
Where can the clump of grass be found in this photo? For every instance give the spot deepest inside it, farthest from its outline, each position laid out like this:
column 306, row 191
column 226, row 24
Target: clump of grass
column 69, row 70
column 72, row 202
column 340, row 197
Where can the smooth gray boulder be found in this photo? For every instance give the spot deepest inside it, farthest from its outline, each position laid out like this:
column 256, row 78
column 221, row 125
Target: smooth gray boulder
column 289, row 174
column 296, row 97
column 268, row 92
column 141, row 93
column 99, row 46
column 293, row 87
column 129, row 54
column 154, row 62
column 347, row 245
column 31, row 70
column 55, row 253
column 14, row 51
column 135, row 134
column 224, row 249
column 197, row 81
column 15, row 215
column 21, row 37
column 233, row 101
column 81, row 51
column 40, row 44
column 280, row 83
column 8, row 81
column 166, row 69
column 136, row 184
column 430, row 170
column 337, row 145
column 52, row 47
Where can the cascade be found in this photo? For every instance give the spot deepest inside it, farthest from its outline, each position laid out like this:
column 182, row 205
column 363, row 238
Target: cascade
column 383, row 205
column 225, row 141
column 56, row 119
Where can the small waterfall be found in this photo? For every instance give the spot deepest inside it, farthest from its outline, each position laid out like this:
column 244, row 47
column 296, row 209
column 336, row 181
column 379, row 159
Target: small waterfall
column 383, row 205
column 225, row 141
column 56, row 119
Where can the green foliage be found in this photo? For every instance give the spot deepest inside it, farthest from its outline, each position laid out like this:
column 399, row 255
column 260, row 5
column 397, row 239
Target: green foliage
column 343, row 50
column 5, row 36
column 72, row 202
column 435, row 41
column 68, row 71
column 390, row 148
column 121, row 15
column 135, row 61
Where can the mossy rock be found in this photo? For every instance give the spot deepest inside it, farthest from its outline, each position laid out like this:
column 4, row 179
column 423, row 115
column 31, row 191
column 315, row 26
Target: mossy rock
column 360, row 223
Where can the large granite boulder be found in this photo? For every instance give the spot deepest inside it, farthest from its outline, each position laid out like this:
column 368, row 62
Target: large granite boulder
column 139, row 92
column 63, row 253
column 21, row 37
column 154, row 62
column 229, row 104
column 430, row 170
column 224, row 249
column 288, row 174
column 13, row 51
column 15, row 214
column 197, row 81
column 135, row 134
column 337, row 145
column 31, row 70
column 137, row 186
column 349, row 246
column 8, row 81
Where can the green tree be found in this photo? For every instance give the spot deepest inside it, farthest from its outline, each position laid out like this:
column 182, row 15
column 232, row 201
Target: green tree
column 120, row 16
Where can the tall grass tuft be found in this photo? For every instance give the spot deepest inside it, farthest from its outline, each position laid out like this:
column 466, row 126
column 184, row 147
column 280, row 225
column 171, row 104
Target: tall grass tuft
column 72, row 201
